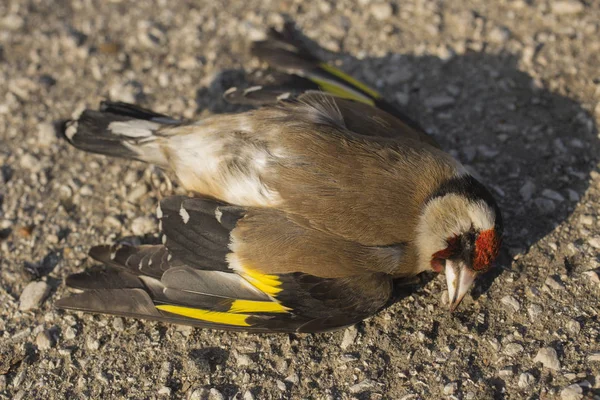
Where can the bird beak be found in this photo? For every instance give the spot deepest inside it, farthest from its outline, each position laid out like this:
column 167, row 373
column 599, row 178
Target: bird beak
column 459, row 278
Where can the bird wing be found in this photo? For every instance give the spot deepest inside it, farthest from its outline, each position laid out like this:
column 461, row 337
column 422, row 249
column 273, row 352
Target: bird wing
column 230, row 267
column 285, row 51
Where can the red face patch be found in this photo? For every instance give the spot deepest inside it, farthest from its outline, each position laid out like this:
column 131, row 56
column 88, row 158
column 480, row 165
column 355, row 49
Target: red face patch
column 487, row 246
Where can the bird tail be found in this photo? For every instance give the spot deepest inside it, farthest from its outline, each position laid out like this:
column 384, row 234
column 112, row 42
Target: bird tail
column 286, row 52
column 119, row 130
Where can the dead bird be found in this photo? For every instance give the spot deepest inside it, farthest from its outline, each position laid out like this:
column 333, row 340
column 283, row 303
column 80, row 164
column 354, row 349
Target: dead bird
column 307, row 208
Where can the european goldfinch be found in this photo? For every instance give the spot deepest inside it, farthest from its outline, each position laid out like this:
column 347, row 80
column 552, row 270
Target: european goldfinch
column 307, row 208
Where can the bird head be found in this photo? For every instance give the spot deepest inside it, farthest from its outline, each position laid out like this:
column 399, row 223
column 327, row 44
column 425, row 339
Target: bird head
column 459, row 233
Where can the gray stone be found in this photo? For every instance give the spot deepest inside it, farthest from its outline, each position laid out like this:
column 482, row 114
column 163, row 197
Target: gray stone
column 595, row 357
column 512, row 349
column 450, row 388
column 546, row 206
column 572, row 392
column 594, row 242
column 439, row 101
column 30, row 163
column 527, row 190
column 293, row 379
column 553, row 195
column 164, row 391
column 350, row 335
column 526, row 380
column 33, row 295
column 566, row 7
column 143, row 225
column 214, row 394
column 381, row 11
column 362, row 386
column 243, row 360
column 548, row 357
column 46, row 135
column 43, row 340
column 554, row 282
column 499, row 34
column 511, row 303
column 92, row 344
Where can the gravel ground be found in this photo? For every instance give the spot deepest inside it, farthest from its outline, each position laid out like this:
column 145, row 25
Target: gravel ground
column 511, row 88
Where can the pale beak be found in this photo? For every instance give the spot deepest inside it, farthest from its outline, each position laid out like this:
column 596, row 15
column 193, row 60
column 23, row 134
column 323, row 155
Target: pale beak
column 460, row 279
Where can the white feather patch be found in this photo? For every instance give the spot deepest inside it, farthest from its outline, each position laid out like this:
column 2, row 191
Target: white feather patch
column 218, row 214
column 185, row 216
column 136, row 128
column 71, row 129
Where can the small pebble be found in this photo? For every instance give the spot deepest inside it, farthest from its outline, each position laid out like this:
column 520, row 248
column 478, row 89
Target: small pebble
column 350, row 335
column 527, row 190
column 499, row 34
column 214, row 394
column 197, row 394
column 593, row 276
column 594, row 357
column 92, row 344
column 118, row 324
column 137, row 192
column 381, row 11
column 573, row 327
column 506, row 372
column 554, row 283
column 30, row 162
column 280, row 385
column 70, row 333
column 526, row 380
column 33, row 295
column 548, row 357
column 439, row 101
column 450, row 388
column 248, row 395
column 553, row 195
column 164, row 391
column 546, row 206
column 293, row 379
column 43, row 340
column 243, row 360
column 362, row 386
column 512, row 349
column 566, row 7
column 572, row 392
column 143, row 225
column 594, row 242
column 511, row 302
column 45, row 135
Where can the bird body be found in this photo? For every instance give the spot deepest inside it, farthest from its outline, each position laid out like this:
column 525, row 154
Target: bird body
column 305, row 211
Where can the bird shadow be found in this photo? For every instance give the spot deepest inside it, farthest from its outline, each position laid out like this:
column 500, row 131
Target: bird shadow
column 534, row 148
